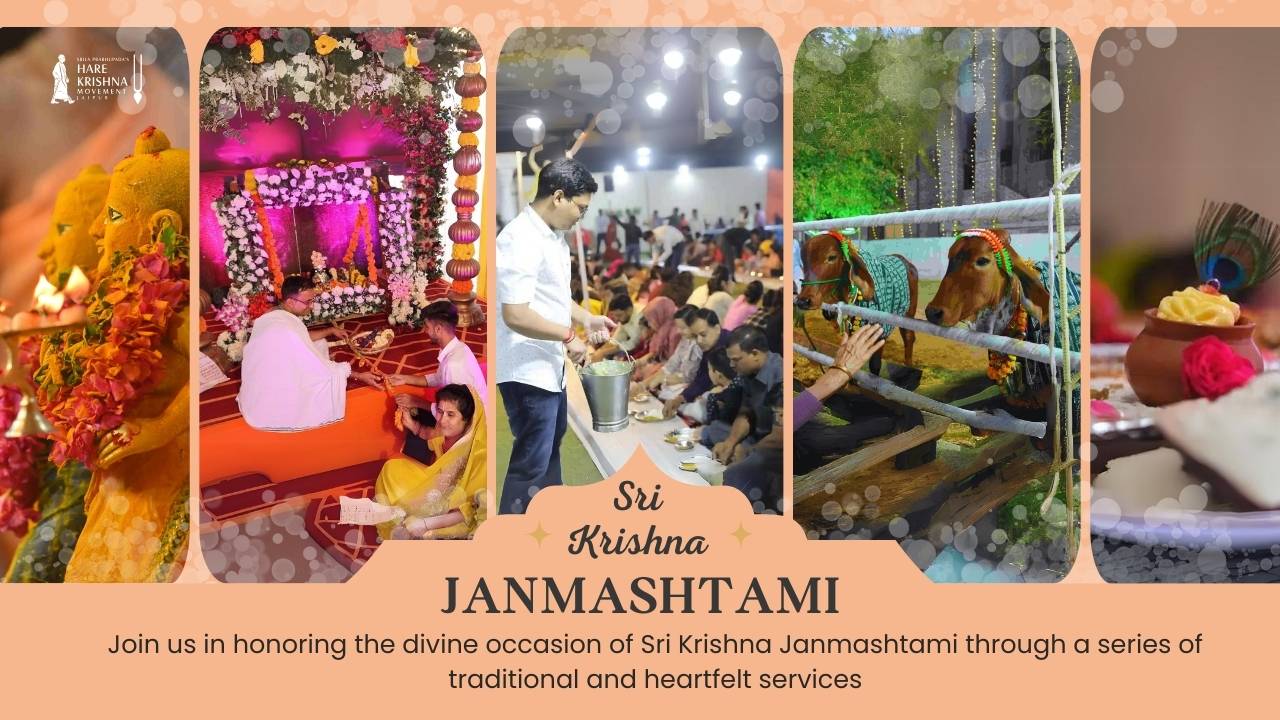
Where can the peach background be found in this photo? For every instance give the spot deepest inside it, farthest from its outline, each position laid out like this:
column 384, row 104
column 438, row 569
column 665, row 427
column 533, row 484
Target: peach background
column 53, row 638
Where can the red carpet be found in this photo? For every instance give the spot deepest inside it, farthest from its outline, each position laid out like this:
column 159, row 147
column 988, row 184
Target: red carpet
column 409, row 353
column 245, row 473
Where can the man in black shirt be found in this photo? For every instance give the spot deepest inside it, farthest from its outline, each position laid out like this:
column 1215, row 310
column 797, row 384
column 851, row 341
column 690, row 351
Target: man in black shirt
column 631, row 232
column 754, row 445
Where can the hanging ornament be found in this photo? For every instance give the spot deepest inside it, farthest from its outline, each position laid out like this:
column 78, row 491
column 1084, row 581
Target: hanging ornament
column 463, row 268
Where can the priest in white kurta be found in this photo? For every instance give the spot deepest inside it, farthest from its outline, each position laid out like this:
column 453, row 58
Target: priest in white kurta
column 288, row 383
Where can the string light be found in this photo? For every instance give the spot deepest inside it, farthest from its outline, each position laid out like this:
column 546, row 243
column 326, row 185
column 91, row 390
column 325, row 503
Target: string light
column 1070, row 80
column 952, row 197
column 993, row 107
column 939, row 136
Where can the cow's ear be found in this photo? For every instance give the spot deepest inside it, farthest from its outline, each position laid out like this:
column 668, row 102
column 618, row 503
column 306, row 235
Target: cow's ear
column 860, row 276
column 1035, row 296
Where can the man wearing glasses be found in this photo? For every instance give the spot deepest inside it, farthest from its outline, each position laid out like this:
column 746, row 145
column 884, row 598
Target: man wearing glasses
column 288, row 383
column 536, row 327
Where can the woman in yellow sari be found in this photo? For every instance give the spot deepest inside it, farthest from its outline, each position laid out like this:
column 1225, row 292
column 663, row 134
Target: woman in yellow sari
column 445, row 499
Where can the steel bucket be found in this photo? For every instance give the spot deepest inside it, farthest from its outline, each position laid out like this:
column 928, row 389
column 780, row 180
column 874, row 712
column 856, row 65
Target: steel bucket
column 608, row 397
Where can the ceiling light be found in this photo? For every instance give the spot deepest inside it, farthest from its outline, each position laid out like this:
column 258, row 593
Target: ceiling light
column 643, row 151
column 761, row 161
column 732, row 97
column 656, row 100
column 729, row 56
column 683, row 170
column 674, row 59
column 533, row 122
column 619, row 170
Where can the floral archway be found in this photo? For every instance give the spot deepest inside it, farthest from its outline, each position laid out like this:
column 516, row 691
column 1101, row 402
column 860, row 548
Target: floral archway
column 401, row 78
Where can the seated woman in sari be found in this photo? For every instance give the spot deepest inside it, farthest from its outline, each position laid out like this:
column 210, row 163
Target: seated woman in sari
column 445, row 499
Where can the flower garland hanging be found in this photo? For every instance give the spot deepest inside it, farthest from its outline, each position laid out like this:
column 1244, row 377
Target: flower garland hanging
column 369, row 259
column 268, row 236
column 19, row 469
column 426, row 150
column 387, row 72
column 88, row 379
column 1000, row 365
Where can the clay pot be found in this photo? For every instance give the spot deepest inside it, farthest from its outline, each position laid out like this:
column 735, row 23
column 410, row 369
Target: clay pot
column 1153, row 363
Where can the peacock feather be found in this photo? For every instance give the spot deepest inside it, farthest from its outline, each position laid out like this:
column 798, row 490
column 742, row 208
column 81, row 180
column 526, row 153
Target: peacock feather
column 1235, row 246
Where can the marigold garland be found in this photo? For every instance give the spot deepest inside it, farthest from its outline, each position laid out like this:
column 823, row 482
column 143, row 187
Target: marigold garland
column 88, row 379
column 361, row 229
column 269, row 243
column 1001, row 365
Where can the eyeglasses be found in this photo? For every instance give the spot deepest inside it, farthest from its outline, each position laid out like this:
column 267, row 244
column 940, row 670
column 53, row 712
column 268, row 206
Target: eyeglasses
column 581, row 208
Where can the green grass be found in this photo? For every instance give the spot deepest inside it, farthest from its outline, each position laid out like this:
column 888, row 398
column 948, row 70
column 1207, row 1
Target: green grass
column 576, row 465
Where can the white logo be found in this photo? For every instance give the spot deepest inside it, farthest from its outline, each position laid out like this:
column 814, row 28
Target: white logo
column 60, row 82
column 98, row 78
column 135, row 80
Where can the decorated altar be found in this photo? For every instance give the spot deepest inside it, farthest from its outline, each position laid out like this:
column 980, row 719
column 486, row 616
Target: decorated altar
column 332, row 155
column 350, row 158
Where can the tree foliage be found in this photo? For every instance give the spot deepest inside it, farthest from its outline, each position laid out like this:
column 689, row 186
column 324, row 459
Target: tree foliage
column 867, row 103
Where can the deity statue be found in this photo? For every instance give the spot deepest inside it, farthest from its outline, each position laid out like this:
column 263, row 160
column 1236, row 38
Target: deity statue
column 68, row 243
column 137, row 518
column 45, row 549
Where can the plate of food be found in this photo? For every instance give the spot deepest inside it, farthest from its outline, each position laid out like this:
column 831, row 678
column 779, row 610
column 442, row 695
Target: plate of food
column 651, row 415
column 372, row 341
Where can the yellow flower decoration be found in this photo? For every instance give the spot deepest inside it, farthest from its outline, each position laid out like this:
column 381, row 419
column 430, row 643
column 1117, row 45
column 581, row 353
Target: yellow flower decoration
column 468, row 140
column 464, row 251
column 471, row 103
column 410, row 55
column 466, row 182
column 325, row 44
column 471, row 68
column 257, row 52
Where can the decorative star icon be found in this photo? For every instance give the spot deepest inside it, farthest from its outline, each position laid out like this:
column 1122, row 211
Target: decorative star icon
column 741, row 534
column 539, row 534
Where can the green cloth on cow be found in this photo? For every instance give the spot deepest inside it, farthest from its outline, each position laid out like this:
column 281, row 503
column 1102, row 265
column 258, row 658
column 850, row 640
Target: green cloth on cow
column 893, row 290
column 1031, row 374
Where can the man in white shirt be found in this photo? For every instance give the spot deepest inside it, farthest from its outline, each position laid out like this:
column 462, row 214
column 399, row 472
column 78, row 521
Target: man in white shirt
column 536, row 328
column 696, row 225
column 457, row 364
column 288, row 383
column 664, row 239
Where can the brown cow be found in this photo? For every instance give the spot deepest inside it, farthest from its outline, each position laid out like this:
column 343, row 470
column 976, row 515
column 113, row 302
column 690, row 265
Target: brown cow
column 836, row 271
column 977, row 287
column 986, row 282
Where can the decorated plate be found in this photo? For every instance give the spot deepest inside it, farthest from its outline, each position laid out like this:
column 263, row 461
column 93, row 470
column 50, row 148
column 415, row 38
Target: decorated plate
column 373, row 341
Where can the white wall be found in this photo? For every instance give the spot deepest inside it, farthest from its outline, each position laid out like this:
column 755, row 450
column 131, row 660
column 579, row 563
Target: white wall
column 715, row 192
